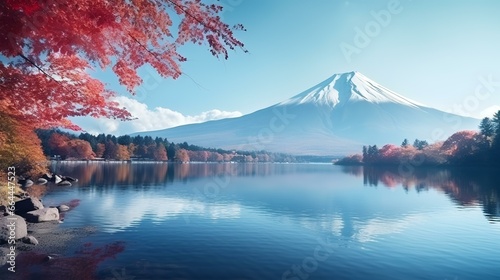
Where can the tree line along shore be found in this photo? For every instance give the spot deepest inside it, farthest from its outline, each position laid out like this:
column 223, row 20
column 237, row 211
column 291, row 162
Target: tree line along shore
column 66, row 146
column 463, row 148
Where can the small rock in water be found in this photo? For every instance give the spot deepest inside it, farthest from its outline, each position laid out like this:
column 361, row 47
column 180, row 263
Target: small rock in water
column 27, row 183
column 52, row 256
column 41, row 181
column 64, row 183
column 63, row 208
column 69, row 178
column 30, row 240
column 47, row 176
column 57, row 179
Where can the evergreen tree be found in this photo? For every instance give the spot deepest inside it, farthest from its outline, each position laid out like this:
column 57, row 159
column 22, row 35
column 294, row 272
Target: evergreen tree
column 420, row 144
column 124, row 140
column 172, row 148
column 101, row 138
column 487, row 127
column 138, row 140
column 496, row 123
column 111, row 150
column 405, row 143
column 158, row 140
column 371, row 154
column 89, row 138
column 496, row 128
column 365, row 154
column 148, row 141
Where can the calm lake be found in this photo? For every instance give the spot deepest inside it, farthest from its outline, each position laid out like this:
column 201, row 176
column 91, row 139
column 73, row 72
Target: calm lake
column 285, row 221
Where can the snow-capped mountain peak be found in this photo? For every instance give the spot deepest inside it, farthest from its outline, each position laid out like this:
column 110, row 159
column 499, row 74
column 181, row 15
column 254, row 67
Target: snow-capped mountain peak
column 365, row 88
column 335, row 117
column 348, row 87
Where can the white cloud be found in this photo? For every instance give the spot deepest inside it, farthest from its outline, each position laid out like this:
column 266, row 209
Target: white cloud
column 371, row 229
column 488, row 112
column 159, row 209
column 147, row 119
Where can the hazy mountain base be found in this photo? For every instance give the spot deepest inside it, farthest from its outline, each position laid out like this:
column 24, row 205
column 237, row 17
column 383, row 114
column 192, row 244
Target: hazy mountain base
column 334, row 117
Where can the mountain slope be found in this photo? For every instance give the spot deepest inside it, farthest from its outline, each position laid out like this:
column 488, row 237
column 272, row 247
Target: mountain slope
column 335, row 117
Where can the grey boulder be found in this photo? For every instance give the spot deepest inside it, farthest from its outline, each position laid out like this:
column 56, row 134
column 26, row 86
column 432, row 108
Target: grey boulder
column 13, row 226
column 42, row 215
column 28, row 204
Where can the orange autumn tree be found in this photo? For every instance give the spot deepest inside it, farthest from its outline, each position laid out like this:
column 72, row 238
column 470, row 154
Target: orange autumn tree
column 464, row 144
column 68, row 148
column 49, row 49
column 20, row 146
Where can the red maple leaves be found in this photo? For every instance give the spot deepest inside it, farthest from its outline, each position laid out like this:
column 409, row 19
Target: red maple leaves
column 50, row 46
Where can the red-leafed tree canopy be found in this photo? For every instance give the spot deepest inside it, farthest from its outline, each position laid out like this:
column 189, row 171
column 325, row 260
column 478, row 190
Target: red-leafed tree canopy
column 49, row 46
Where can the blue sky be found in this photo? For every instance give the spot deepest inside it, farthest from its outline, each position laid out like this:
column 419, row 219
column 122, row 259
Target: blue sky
column 435, row 52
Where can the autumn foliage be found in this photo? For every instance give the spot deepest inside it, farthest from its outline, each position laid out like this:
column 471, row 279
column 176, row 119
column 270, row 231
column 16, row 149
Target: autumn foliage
column 50, row 50
column 182, row 155
column 463, row 143
column 21, row 145
column 49, row 47
column 462, row 148
column 70, row 148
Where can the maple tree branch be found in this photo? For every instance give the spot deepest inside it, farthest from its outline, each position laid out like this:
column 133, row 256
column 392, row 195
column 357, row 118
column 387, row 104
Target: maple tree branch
column 47, row 74
column 195, row 18
column 213, row 29
column 144, row 47
column 38, row 67
column 155, row 56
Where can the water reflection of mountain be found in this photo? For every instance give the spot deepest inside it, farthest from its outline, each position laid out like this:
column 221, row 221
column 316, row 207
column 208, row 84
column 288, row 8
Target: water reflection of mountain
column 320, row 198
column 316, row 197
column 465, row 186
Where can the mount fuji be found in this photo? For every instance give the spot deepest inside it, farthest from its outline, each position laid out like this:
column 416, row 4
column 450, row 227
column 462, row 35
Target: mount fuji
column 334, row 117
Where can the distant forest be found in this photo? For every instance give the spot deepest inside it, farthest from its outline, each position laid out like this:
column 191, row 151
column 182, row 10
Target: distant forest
column 479, row 148
column 66, row 146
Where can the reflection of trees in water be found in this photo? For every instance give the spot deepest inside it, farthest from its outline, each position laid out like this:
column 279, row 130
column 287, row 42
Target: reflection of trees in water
column 465, row 186
column 83, row 264
column 114, row 173
column 106, row 173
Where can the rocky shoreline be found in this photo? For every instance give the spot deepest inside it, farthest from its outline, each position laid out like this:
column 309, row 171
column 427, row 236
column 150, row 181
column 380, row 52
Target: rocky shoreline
column 28, row 228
